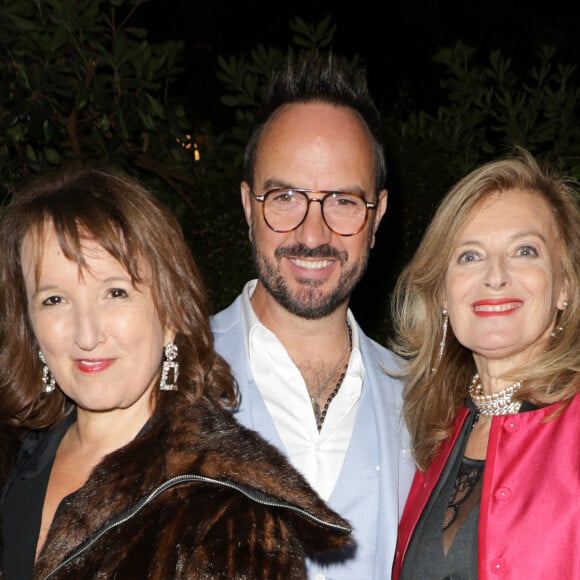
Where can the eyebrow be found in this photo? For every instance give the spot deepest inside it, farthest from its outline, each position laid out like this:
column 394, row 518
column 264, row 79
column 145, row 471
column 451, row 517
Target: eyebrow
column 110, row 280
column 279, row 184
column 516, row 236
column 42, row 289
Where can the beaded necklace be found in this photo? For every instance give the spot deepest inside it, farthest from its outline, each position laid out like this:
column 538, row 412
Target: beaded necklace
column 500, row 403
column 321, row 415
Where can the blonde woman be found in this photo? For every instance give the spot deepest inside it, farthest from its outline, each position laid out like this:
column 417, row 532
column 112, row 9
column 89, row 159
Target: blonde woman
column 487, row 319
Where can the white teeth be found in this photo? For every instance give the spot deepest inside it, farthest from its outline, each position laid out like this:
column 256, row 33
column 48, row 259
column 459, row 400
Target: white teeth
column 496, row 307
column 310, row 264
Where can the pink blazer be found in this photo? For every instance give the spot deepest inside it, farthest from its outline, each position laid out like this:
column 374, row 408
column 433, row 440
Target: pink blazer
column 529, row 525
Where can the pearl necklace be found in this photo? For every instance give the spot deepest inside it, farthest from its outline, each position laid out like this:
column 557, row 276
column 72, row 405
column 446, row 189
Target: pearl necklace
column 500, row 403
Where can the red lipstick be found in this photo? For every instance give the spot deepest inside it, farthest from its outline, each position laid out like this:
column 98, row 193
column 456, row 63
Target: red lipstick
column 94, row 365
column 495, row 306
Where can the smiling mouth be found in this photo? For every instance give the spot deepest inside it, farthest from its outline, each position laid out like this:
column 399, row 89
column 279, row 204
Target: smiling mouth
column 94, row 365
column 506, row 306
column 311, row 264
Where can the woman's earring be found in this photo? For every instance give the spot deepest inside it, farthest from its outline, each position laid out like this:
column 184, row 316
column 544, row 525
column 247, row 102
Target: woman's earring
column 47, row 378
column 168, row 383
column 444, row 327
column 560, row 327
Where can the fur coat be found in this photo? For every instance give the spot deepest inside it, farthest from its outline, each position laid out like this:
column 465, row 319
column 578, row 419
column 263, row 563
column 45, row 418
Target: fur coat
column 237, row 509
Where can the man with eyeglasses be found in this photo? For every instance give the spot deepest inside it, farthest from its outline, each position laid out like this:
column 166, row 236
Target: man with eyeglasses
column 310, row 381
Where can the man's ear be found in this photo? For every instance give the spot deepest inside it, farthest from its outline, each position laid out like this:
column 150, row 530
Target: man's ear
column 379, row 213
column 245, row 191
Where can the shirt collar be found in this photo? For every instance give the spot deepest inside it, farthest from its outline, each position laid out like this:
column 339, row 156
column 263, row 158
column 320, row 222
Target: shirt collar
column 251, row 322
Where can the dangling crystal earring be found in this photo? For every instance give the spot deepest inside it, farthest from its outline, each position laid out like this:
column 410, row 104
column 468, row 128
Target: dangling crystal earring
column 559, row 328
column 445, row 324
column 47, row 378
column 169, row 366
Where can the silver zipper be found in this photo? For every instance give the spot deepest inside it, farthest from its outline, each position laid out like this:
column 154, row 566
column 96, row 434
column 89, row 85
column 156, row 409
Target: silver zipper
column 252, row 494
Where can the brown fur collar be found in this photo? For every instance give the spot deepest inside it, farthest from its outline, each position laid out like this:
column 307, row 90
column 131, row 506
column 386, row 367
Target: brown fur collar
column 192, row 439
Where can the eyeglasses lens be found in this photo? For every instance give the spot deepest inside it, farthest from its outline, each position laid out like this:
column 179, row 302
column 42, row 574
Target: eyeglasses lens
column 285, row 210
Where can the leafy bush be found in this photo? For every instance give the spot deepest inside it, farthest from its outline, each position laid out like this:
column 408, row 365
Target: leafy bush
column 486, row 109
column 80, row 84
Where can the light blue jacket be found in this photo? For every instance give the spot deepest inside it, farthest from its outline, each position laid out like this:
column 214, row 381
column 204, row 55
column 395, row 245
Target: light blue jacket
column 377, row 470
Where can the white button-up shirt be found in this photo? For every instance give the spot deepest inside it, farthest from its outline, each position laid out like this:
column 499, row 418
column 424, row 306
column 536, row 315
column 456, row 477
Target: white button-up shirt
column 318, row 456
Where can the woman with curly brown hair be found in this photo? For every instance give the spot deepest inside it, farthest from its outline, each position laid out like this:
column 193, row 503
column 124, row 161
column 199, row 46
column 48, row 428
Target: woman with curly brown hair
column 129, row 463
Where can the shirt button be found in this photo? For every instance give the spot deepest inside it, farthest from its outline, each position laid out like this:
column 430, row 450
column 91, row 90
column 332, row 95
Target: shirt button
column 512, row 424
column 320, row 576
column 503, row 493
column 499, row 567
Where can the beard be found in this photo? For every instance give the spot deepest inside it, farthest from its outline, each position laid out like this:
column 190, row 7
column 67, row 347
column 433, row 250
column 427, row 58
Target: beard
column 309, row 300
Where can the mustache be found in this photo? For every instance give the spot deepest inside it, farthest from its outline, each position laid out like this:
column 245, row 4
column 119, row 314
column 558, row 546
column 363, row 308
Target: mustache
column 302, row 251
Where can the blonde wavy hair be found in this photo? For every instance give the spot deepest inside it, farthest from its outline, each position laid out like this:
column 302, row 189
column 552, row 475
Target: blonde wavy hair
column 436, row 389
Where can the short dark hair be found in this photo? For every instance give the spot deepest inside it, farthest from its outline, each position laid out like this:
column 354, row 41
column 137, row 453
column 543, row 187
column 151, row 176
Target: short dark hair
column 315, row 76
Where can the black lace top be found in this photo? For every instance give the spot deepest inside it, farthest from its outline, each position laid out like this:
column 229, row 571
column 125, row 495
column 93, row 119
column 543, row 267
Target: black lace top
column 444, row 544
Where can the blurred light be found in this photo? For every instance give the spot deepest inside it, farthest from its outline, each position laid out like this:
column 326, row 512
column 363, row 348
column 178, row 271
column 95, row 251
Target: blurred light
column 190, row 144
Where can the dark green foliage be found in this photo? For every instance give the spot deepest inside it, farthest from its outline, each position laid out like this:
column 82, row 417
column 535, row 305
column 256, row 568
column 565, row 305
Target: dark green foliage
column 485, row 109
column 79, row 83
